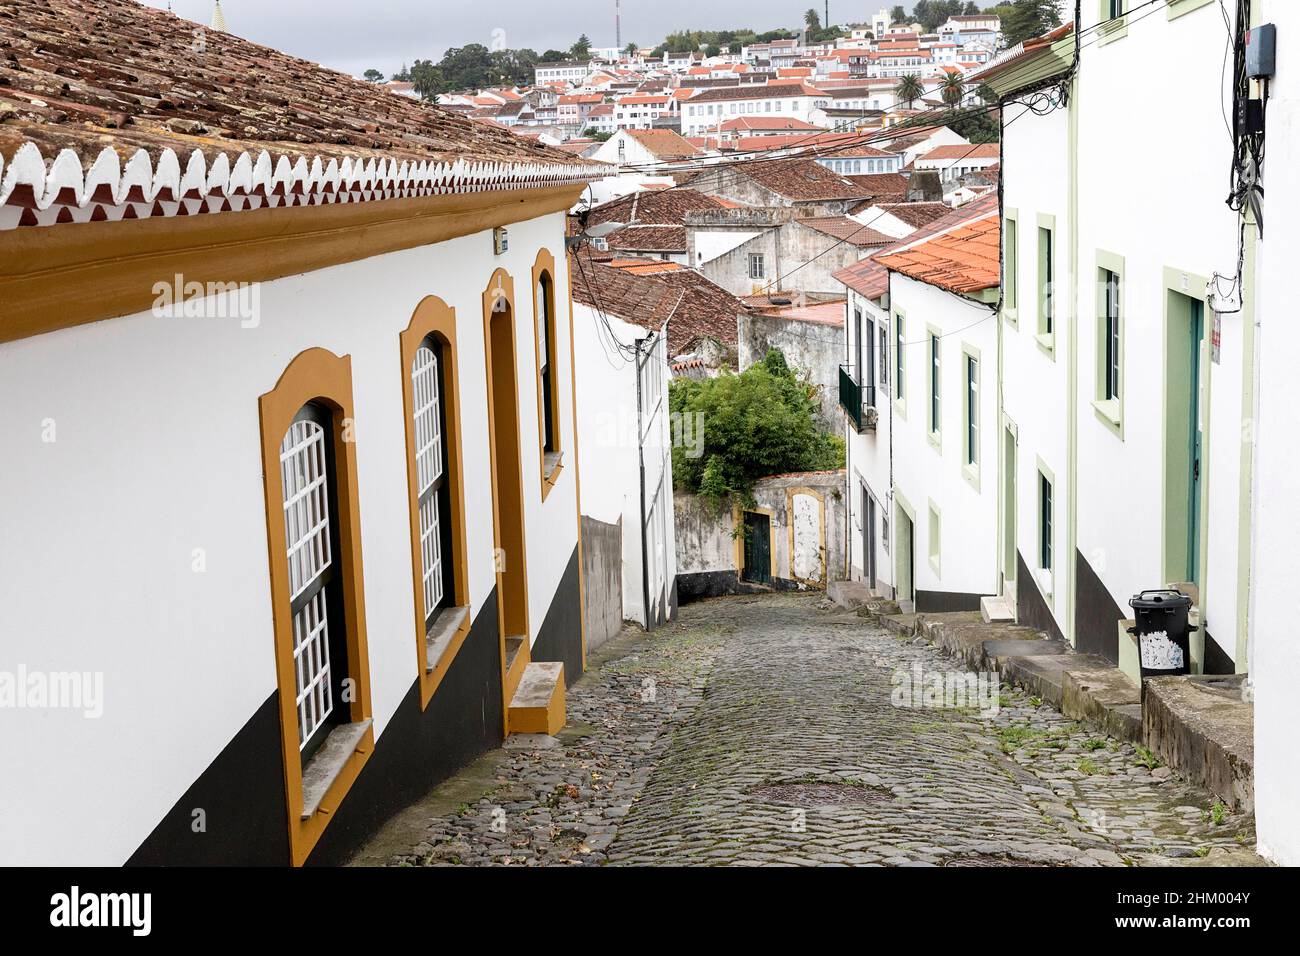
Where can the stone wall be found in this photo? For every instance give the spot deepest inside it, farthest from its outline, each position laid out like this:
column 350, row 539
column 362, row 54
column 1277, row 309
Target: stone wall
column 812, row 348
column 602, row 579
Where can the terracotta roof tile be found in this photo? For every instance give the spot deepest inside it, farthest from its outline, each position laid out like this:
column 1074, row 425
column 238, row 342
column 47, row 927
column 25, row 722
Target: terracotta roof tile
column 666, row 208
column 799, row 180
column 663, row 143
column 649, row 239
column 85, row 74
column 847, row 230
column 964, row 259
column 648, row 293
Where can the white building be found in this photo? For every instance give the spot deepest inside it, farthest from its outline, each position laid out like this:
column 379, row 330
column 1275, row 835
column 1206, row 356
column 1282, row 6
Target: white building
column 334, row 514
column 921, row 414
column 573, row 72
column 641, row 110
column 624, row 429
column 1123, row 390
column 708, row 109
column 1275, row 563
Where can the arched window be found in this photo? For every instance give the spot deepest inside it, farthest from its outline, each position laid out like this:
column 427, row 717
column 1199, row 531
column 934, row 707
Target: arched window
column 317, row 593
column 428, row 384
column 308, row 485
column 548, row 392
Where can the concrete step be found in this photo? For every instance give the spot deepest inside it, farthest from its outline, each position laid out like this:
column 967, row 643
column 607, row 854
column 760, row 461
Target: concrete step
column 996, row 609
column 1201, row 727
column 850, row 594
column 517, row 657
column 537, row 705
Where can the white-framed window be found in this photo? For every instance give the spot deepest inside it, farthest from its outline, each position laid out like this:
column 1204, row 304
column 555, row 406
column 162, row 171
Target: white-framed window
column 757, row 265
column 319, row 652
column 1110, row 349
column 429, row 411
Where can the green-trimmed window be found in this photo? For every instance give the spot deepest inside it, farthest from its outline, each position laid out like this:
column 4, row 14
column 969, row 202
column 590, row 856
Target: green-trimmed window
column 1045, row 529
column 1046, row 282
column 1012, row 265
column 934, row 384
column 972, row 410
column 1109, row 353
column 900, row 360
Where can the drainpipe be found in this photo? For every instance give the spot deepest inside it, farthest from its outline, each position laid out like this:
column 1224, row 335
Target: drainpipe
column 640, row 457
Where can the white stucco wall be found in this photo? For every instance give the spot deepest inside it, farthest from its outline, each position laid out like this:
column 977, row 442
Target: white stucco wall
column 1274, row 651
column 157, row 454
column 868, row 453
column 927, row 473
column 608, row 444
column 1156, row 223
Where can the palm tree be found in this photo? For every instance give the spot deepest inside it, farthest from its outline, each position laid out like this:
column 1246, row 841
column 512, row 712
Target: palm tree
column 953, row 89
column 909, row 89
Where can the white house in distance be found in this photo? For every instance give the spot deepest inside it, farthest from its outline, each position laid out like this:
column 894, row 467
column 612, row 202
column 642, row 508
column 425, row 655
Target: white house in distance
column 645, row 150
column 330, row 426
column 920, row 417
column 708, row 109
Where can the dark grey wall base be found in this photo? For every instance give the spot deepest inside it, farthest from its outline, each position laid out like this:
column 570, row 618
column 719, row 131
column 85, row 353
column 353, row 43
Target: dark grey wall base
column 419, row 749
column 693, row 585
column 939, row 602
column 1031, row 609
column 560, row 636
column 242, row 791
column 241, row 796
column 1096, row 615
column 1216, row 661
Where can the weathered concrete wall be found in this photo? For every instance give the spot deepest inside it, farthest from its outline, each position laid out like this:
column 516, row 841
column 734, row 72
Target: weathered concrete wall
column 807, row 513
column 812, row 348
column 602, row 579
column 786, row 247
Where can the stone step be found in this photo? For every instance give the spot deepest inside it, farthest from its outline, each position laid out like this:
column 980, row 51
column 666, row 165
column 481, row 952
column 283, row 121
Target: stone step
column 1201, row 726
column 537, row 705
column 850, row 594
column 996, row 609
column 517, row 657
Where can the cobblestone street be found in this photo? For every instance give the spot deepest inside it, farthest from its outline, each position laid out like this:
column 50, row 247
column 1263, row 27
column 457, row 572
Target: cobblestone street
column 763, row 731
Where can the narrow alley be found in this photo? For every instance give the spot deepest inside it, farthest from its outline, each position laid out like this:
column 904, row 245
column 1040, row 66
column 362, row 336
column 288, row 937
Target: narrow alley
column 764, row 731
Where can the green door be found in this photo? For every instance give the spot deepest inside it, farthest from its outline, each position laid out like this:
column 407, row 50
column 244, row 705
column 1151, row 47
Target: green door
column 1195, row 449
column 758, row 548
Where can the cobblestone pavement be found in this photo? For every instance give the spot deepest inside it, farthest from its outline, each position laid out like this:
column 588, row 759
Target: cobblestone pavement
column 765, row 731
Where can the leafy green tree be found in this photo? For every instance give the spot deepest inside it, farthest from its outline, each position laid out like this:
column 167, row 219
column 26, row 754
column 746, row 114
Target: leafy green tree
column 427, row 78
column 813, row 21
column 909, row 89
column 755, row 424
column 373, row 76
column 581, row 49
column 1027, row 19
column 631, row 49
column 554, row 56
column 898, row 14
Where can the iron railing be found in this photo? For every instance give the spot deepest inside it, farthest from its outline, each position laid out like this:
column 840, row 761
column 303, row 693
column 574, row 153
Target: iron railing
column 856, row 399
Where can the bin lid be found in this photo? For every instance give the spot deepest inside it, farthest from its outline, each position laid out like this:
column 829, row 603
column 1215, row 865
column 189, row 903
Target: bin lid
column 1159, row 599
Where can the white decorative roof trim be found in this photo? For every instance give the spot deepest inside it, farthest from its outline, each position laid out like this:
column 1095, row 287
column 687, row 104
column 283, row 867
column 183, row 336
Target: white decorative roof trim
column 34, row 192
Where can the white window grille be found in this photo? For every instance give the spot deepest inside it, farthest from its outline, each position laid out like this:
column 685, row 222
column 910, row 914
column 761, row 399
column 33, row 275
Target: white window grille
column 304, row 479
column 429, row 470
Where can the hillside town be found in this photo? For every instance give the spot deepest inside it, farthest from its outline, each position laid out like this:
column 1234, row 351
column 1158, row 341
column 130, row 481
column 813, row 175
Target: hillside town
column 609, row 466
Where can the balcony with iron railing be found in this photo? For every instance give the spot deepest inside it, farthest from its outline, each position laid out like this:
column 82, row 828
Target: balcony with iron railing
column 859, row 401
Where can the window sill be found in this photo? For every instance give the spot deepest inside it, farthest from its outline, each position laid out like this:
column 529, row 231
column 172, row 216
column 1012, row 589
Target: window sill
column 1047, row 342
column 1178, row 8
column 1045, row 582
column 552, row 468
column 972, row 475
column 328, row 764
column 1111, row 32
column 936, row 441
column 1011, row 315
column 449, row 625
column 1108, row 411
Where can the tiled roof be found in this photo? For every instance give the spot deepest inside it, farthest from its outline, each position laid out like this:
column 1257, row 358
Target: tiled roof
column 649, row 239
column 961, row 151
column 882, row 187
column 767, row 123
column 871, row 279
column 964, row 259
column 773, row 91
column 847, row 230
column 105, row 107
column 799, row 179
column 663, row 143
column 916, row 214
column 665, row 208
column 649, row 292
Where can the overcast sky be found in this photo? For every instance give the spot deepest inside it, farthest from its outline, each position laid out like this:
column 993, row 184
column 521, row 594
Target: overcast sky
column 382, row 34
